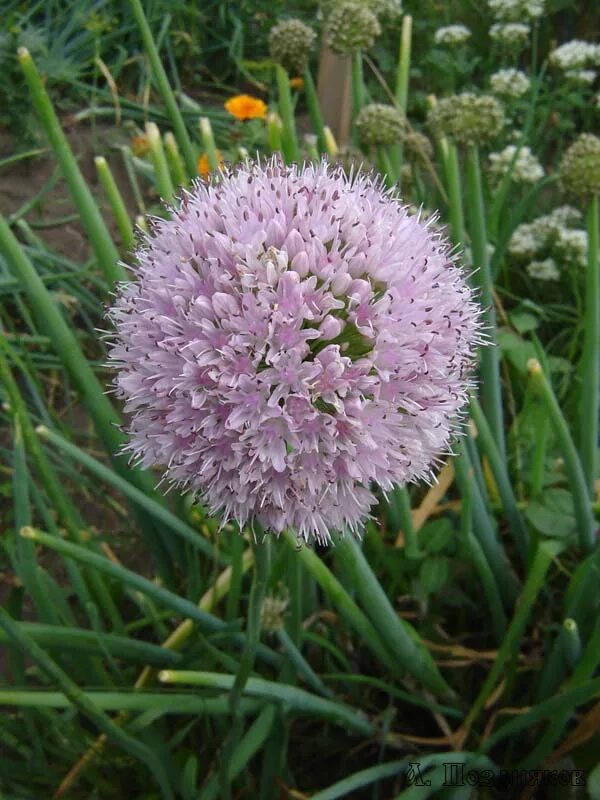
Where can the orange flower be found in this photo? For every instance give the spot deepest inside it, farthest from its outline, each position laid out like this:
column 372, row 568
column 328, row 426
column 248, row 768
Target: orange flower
column 204, row 165
column 243, row 107
column 139, row 145
column 297, row 83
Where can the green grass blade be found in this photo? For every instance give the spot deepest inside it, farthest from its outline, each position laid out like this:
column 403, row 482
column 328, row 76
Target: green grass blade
column 400, row 637
column 83, row 703
column 175, row 115
column 297, row 700
column 100, row 239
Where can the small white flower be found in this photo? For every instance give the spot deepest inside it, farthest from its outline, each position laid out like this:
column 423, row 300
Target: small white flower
column 575, row 54
column 572, row 246
column 545, row 270
column 509, row 83
column 563, row 215
column 516, row 10
column 526, row 168
column 511, row 35
column 582, row 76
column 525, row 241
column 452, row 35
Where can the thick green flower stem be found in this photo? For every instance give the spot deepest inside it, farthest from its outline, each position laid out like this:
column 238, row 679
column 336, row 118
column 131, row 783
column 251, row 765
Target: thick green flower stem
column 314, row 110
column 509, row 648
column 104, row 249
column 402, row 81
column 176, row 165
column 260, row 577
column 498, row 466
column 208, row 141
column 486, row 575
column 453, row 182
column 116, row 202
column 274, row 131
column 590, row 362
column 400, row 638
column 585, row 668
column 158, row 71
column 385, row 167
column 399, row 504
column 483, row 528
column 289, row 137
column 491, row 388
column 403, row 70
column 581, row 499
column 538, row 458
column 358, row 84
column 164, row 183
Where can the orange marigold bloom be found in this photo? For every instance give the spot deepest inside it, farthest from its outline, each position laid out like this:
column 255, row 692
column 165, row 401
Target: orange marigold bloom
column 139, row 145
column 297, row 83
column 244, row 106
column 204, row 164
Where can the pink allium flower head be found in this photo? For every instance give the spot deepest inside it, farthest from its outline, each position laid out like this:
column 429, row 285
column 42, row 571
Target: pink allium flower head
column 293, row 336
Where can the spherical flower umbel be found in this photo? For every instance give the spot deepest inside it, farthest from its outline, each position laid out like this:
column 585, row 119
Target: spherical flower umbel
column 580, row 167
column 290, row 43
column 418, row 146
column 467, row 118
column 351, row 26
column 451, row 35
column 522, row 163
column 293, row 337
column 510, row 35
column 509, row 82
column 516, row 10
column 378, row 123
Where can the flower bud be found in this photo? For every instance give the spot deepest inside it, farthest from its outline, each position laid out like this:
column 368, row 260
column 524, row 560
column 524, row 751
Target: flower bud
column 379, row 124
column 467, row 118
column 580, row 167
column 351, row 26
column 290, row 44
column 418, row 146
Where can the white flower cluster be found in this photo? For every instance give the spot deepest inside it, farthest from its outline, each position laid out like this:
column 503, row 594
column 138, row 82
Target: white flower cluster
column 526, row 168
column 575, row 54
column 511, row 35
column 549, row 241
column 572, row 245
column 545, row 270
column 516, row 10
column 452, row 35
column 509, row 82
column 585, row 77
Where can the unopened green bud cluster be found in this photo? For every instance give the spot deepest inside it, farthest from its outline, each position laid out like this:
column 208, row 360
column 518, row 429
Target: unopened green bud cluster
column 580, row 167
column 290, row 44
column 351, row 26
column 418, row 146
column 378, row 123
column 467, row 118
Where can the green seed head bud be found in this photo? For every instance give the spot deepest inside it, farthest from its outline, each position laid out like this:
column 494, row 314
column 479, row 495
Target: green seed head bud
column 467, row 118
column 290, row 44
column 351, row 26
column 379, row 124
column 418, row 147
column 580, row 168
column 273, row 609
